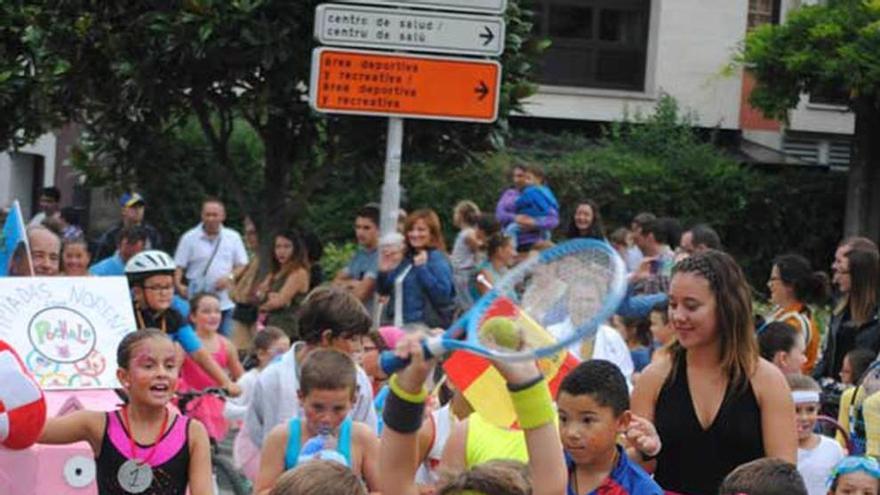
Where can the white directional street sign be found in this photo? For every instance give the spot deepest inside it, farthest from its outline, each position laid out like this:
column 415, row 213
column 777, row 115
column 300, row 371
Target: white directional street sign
column 492, row 6
column 414, row 30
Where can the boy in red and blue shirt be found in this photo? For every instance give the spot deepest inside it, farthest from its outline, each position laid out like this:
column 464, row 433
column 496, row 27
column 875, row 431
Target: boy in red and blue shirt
column 593, row 405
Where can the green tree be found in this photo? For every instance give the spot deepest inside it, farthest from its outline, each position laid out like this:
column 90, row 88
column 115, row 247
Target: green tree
column 25, row 71
column 834, row 46
column 136, row 73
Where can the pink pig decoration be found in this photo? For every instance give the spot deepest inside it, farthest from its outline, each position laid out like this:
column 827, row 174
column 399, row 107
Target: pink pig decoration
column 56, row 469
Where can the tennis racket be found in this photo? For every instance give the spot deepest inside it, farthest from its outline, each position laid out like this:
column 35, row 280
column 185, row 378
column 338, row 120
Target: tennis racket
column 548, row 302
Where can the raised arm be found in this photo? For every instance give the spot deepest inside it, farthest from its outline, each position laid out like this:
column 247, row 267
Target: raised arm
column 236, row 370
column 435, row 277
column 534, row 409
column 204, row 359
column 403, row 415
column 75, row 427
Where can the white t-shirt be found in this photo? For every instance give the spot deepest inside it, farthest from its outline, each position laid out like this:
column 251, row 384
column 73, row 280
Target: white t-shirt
column 608, row 345
column 193, row 255
column 816, row 464
column 235, row 408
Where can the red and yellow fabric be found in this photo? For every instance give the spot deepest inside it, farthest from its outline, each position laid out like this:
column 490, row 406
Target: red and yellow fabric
column 484, row 387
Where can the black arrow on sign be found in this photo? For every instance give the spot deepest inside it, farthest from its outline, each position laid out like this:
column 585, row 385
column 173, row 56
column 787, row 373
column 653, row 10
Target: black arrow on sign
column 482, row 90
column 487, row 36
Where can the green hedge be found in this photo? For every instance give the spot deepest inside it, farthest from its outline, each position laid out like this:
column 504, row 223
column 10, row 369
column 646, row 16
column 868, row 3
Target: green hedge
column 646, row 163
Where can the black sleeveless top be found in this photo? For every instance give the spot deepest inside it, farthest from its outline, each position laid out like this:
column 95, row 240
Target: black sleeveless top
column 170, row 460
column 694, row 461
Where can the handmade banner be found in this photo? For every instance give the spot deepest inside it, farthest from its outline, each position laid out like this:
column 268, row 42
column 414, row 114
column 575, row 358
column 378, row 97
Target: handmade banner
column 66, row 329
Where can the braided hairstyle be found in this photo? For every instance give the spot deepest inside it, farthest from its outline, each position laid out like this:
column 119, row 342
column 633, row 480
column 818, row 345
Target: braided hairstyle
column 733, row 314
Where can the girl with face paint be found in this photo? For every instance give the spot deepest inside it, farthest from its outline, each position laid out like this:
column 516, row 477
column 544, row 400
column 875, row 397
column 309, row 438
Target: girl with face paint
column 144, row 447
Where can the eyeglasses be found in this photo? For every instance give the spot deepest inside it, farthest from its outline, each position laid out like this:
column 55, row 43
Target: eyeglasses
column 159, row 288
column 853, row 464
column 774, row 279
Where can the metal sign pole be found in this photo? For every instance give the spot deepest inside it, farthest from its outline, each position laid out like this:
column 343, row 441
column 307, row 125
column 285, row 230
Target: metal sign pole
column 391, row 186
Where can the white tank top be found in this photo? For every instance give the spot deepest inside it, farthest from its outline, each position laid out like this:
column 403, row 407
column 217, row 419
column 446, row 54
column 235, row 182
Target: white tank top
column 443, row 422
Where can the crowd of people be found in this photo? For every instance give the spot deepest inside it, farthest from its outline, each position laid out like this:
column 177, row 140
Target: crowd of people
column 686, row 390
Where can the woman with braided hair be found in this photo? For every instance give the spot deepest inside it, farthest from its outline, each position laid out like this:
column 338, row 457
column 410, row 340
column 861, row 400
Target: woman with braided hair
column 714, row 402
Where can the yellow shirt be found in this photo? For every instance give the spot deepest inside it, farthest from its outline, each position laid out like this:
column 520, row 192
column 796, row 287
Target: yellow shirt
column 870, row 414
column 843, row 413
column 486, row 442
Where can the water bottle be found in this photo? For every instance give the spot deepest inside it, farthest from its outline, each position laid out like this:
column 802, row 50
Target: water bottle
column 321, row 446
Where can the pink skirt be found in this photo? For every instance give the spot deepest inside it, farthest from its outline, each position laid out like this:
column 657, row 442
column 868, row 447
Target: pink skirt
column 246, row 455
column 209, row 410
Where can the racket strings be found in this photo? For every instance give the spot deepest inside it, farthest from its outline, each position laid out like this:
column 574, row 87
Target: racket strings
column 560, row 297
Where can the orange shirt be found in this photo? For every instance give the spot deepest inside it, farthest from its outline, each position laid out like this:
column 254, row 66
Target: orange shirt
column 799, row 316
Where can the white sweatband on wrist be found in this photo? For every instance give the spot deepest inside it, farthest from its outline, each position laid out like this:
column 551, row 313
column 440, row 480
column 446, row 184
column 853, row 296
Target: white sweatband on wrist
column 805, row 396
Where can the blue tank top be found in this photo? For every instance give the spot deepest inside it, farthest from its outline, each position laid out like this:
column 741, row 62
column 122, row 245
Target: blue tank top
column 292, row 453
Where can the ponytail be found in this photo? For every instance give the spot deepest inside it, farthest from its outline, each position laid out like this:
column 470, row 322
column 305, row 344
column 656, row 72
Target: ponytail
column 814, row 289
column 809, row 286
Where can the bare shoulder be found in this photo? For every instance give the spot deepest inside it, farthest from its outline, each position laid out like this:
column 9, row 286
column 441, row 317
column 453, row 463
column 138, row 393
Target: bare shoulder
column 654, row 375
column 768, row 379
column 196, row 429
column 361, row 431
column 647, row 388
column 278, row 433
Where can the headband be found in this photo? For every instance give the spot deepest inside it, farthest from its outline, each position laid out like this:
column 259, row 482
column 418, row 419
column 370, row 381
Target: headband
column 805, row 396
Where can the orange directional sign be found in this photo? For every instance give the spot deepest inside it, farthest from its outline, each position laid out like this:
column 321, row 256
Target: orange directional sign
column 398, row 85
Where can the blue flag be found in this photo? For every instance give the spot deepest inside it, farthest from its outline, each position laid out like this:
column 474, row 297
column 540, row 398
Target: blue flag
column 12, row 238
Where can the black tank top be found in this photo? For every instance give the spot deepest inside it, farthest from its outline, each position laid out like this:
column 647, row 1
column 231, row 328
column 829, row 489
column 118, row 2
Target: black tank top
column 694, row 461
column 171, row 467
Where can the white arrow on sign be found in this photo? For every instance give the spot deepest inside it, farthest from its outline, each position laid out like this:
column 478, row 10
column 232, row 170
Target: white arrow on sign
column 414, row 30
column 493, row 6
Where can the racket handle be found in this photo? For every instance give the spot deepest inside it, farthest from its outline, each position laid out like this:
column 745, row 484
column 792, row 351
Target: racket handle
column 391, row 363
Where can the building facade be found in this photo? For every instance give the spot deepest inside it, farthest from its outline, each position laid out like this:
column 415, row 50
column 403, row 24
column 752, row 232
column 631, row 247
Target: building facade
column 611, row 58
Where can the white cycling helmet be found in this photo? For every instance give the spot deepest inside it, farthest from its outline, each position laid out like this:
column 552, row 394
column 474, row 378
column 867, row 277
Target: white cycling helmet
column 148, row 263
